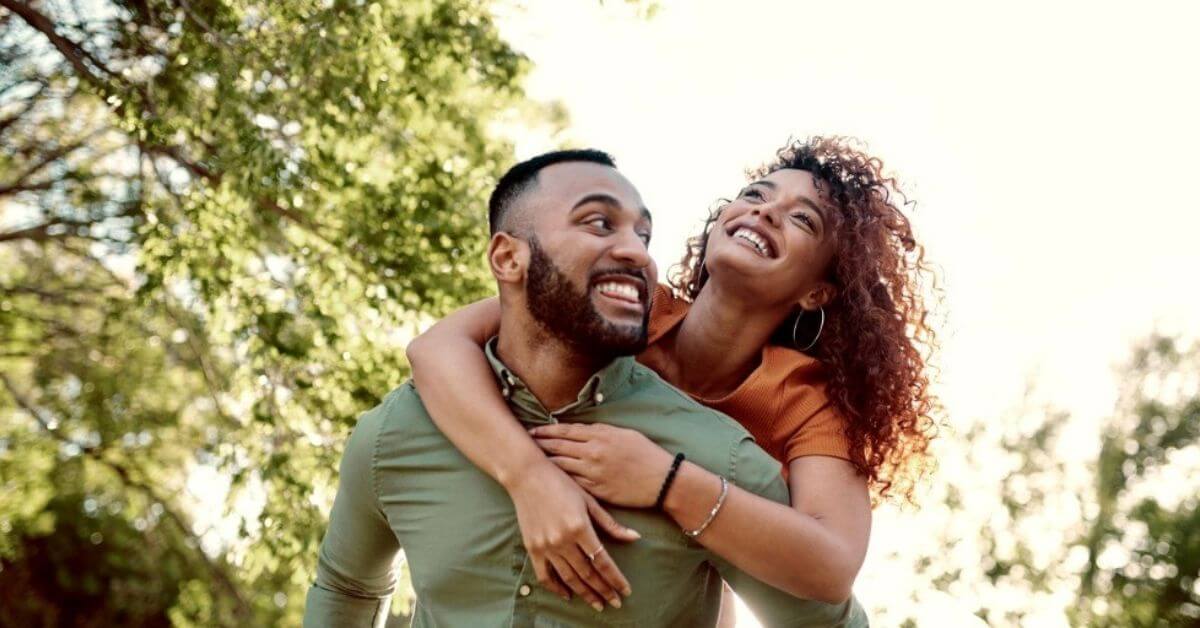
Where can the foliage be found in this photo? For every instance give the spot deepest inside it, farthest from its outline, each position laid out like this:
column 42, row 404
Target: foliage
column 219, row 222
column 1090, row 533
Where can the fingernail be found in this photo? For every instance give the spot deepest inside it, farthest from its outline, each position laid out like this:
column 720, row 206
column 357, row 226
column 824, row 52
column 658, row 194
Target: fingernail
column 627, row 592
column 634, row 533
column 598, row 606
column 616, row 602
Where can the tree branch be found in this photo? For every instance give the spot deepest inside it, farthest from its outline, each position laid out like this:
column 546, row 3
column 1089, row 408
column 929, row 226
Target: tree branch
column 75, row 54
column 97, row 454
column 30, row 103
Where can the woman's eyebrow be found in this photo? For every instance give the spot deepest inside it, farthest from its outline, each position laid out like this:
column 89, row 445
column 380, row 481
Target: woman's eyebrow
column 804, row 200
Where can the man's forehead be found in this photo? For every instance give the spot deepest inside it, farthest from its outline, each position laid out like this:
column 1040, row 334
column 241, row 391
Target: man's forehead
column 576, row 178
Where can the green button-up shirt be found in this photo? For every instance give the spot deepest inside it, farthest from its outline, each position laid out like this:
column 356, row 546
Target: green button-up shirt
column 404, row 485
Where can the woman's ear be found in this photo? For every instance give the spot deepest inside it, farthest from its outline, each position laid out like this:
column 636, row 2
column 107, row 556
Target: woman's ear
column 819, row 296
column 508, row 257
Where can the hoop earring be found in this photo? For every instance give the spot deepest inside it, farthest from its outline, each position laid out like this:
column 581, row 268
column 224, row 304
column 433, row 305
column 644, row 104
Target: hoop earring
column 796, row 328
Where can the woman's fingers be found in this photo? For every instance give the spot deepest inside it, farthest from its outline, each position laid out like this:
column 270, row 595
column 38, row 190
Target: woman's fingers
column 591, row 575
column 568, row 431
column 573, row 466
column 604, row 565
column 608, row 523
column 547, row 578
column 560, row 446
column 575, row 582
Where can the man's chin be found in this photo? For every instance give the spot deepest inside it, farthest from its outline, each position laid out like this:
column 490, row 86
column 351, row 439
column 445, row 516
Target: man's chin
column 617, row 339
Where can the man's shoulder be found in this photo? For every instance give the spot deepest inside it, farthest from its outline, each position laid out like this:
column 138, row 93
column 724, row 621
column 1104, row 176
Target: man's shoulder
column 648, row 385
column 399, row 410
column 740, row 457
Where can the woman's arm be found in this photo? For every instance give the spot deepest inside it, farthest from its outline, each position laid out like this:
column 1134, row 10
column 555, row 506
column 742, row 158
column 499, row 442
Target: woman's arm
column 553, row 512
column 812, row 549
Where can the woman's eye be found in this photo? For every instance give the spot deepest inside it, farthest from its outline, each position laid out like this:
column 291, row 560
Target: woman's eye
column 803, row 218
column 752, row 193
column 645, row 237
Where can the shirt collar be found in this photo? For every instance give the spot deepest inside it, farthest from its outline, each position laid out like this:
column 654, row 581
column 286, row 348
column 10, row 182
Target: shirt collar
column 604, row 386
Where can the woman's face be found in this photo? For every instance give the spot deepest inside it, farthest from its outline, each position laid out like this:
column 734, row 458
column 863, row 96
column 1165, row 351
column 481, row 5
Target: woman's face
column 773, row 243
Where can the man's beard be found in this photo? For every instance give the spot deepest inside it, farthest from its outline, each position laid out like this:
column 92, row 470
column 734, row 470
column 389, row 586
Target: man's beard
column 571, row 317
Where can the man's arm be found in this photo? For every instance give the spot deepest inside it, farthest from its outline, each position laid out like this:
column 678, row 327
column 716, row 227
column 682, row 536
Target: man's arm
column 355, row 575
column 758, row 473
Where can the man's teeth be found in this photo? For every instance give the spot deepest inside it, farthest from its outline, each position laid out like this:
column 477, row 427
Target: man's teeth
column 758, row 241
column 619, row 289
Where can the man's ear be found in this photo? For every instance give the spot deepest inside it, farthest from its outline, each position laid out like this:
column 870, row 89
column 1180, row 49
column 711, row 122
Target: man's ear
column 508, row 257
column 820, row 295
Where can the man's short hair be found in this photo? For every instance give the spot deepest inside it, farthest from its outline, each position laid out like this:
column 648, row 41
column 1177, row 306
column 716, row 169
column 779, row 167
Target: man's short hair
column 523, row 177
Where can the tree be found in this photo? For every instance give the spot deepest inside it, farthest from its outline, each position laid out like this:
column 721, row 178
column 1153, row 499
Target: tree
column 219, row 222
column 1114, row 541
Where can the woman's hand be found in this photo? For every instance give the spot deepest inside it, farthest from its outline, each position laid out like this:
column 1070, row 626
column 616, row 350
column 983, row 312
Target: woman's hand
column 618, row 465
column 555, row 516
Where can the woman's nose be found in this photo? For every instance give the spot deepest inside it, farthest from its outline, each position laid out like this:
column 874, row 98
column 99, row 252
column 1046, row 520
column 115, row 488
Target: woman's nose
column 766, row 214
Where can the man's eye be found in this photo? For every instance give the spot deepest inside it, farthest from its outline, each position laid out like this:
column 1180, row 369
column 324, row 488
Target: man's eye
column 599, row 222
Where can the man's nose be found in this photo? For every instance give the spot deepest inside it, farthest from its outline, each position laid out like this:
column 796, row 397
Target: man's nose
column 631, row 249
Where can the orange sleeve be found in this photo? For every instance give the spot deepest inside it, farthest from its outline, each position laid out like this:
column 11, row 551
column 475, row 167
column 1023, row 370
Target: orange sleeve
column 665, row 311
column 820, row 433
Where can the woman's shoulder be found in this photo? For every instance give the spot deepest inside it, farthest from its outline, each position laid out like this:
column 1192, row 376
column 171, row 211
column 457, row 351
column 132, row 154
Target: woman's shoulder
column 666, row 311
column 806, row 420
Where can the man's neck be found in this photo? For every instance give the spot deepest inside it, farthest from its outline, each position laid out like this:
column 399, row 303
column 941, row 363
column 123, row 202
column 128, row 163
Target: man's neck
column 554, row 371
column 720, row 341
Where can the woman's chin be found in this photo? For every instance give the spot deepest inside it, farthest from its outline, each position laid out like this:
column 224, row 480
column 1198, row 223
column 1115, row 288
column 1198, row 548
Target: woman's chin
column 737, row 277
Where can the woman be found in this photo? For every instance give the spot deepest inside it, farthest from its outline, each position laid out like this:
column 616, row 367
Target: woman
column 798, row 312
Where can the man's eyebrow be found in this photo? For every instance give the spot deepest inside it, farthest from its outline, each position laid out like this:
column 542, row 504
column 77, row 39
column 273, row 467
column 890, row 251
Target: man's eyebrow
column 611, row 201
column 597, row 197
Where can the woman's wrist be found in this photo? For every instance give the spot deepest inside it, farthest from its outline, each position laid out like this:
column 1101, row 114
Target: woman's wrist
column 523, row 463
column 692, row 495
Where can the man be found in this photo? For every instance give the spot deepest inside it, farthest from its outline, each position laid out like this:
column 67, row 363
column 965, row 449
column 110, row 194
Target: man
column 569, row 255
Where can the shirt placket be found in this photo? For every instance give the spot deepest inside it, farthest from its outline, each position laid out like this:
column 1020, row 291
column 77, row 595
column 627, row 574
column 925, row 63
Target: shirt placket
column 525, row 591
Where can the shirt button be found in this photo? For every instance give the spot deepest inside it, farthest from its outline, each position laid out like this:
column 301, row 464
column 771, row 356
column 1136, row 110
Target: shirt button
column 599, row 397
column 524, row 590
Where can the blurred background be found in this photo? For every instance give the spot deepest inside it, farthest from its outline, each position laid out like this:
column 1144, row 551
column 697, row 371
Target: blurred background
column 220, row 222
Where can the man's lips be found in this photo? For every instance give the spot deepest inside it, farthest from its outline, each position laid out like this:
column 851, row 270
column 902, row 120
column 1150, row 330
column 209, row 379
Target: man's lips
column 622, row 287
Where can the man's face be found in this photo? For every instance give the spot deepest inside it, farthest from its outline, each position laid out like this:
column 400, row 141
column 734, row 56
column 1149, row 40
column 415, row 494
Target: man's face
column 589, row 273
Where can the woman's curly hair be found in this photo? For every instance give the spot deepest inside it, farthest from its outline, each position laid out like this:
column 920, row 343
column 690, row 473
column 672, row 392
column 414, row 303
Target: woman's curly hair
column 877, row 338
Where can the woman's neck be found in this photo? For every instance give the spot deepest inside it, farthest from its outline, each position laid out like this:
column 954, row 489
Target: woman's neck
column 720, row 342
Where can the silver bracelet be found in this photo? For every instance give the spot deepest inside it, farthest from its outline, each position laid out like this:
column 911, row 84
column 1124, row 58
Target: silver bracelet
column 712, row 513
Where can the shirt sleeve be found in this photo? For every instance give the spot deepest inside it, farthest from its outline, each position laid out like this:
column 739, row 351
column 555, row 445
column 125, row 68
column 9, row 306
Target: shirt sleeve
column 819, row 434
column 355, row 566
column 758, row 473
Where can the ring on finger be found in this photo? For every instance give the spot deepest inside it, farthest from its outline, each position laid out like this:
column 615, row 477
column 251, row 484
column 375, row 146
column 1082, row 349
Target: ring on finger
column 592, row 555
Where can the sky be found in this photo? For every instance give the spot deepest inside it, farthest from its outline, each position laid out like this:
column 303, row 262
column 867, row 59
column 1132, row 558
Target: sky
column 1050, row 148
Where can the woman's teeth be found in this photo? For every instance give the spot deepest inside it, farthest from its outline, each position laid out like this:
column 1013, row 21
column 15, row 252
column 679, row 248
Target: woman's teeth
column 753, row 238
column 619, row 290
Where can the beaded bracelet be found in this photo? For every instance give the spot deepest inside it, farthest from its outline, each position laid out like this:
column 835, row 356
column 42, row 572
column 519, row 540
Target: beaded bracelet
column 662, row 492
column 713, row 513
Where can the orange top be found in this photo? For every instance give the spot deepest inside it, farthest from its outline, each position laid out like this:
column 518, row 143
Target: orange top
column 782, row 403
